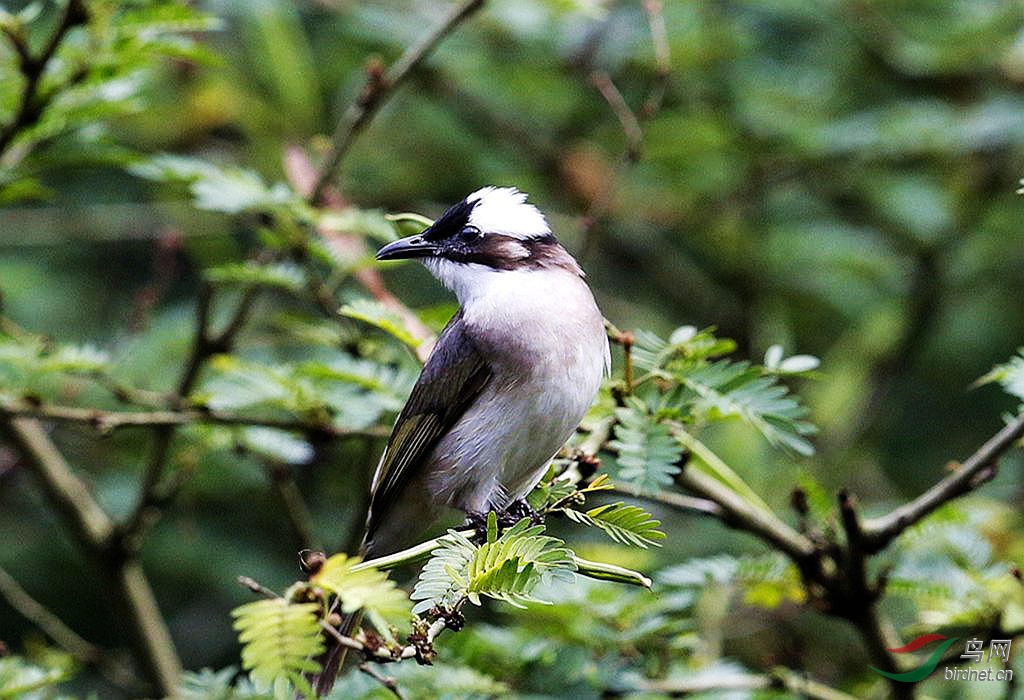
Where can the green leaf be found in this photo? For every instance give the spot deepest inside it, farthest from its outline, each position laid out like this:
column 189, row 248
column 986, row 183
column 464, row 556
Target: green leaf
column 230, row 190
column 380, row 316
column 648, row 456
column 507, row 568
column 20, row 677
column 281, row 275
column 1010, row 376
column 371, row 223
column 365, row 589
column 726, row 389
column 626, row 524
column 280, row 641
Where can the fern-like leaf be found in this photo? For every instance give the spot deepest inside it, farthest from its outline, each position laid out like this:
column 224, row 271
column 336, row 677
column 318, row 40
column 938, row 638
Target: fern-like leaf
column 725, row 389
column 648, row 455
column 507, row 568
column 624, row 523
column 1009, row 375
column 367, row 589
column 281, row 641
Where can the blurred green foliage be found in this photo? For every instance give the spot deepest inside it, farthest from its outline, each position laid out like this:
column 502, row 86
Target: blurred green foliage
column 835, row 178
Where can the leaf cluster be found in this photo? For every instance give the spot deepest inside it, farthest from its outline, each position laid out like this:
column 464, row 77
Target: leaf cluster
column 508, row 567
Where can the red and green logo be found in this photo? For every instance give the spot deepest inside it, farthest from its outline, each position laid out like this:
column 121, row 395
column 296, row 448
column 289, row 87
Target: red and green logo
column 925, row 669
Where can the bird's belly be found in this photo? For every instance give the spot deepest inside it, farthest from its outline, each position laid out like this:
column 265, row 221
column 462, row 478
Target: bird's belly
column 500, row 447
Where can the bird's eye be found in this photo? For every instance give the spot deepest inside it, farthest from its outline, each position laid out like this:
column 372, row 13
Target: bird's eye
column 470, row 233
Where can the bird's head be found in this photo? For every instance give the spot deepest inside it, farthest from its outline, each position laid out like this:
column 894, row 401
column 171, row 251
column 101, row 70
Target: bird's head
column 493, row 229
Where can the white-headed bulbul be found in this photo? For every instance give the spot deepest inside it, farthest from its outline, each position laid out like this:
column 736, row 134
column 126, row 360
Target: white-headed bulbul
column 511, row 375
column 508, row 381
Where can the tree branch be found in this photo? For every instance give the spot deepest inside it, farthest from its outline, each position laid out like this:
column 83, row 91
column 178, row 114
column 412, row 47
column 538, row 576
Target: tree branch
column 95, row 530
column 778, row 679
column 977, row 469
column 204, row 345
column 379, row 87
column 737, row 512
column 65, row 491
column 65, row 637
column 629, row 120
column 32, row 70
column 108, row 421
column 679, row 501
column 349, row 247
column 51, row 625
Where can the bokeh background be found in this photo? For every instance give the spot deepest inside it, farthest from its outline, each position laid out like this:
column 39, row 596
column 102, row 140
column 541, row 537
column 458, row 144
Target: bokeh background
column 835, row 177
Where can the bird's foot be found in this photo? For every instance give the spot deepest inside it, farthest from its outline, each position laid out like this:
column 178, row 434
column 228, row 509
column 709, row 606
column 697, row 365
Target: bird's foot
column 516, row 511
column 477, row 521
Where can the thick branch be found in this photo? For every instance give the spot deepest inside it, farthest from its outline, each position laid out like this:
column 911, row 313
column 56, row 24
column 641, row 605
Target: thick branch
column 380, row 87
column 737, row 512
column 51, row 625
column 976, row 470
column 65, row 491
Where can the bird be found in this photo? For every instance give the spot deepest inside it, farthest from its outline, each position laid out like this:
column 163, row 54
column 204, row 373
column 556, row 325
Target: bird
column 510, row 378
column 507, row 383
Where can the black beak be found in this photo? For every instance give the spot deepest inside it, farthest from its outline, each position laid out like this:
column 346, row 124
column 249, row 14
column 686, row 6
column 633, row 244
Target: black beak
column 410, row 247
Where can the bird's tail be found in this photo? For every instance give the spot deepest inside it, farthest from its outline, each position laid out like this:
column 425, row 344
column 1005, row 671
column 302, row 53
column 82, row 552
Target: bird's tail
column 332, row 660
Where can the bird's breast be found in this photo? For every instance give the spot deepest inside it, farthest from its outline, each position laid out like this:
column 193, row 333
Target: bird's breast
column 544, row 339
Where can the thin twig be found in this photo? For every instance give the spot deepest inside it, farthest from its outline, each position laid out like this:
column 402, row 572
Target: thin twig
column 975, row 470
column 629, row 120
column 30, row 108
column 295, row 508
column 348, row 248
column 65, row 637
column 257, row 587
column 386, row 681
column 108, row 421
column 204, row 345
column 380, row 87
column 679, row 501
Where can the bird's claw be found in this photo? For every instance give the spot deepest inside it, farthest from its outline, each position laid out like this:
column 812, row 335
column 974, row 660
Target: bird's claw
column 516, row 511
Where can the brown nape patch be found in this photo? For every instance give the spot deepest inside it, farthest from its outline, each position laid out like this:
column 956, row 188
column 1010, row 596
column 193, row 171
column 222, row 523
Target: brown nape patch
column 511, row 253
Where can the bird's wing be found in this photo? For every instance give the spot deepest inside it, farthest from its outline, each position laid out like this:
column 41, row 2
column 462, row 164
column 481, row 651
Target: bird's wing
column 452, row 378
